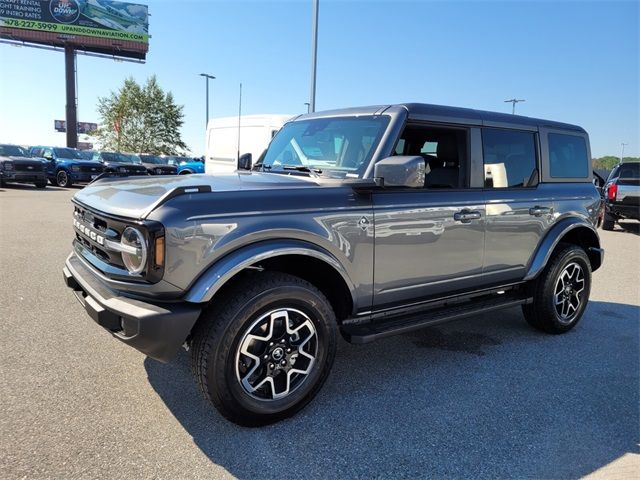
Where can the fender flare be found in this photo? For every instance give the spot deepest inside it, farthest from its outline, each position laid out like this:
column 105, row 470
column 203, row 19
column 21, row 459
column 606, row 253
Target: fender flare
column 218, row 274
column 555, row 236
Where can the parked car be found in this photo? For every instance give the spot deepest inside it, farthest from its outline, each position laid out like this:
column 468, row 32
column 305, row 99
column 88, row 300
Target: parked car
column 256, row 131
column 622, row 194
column 86, row 154
column 158, row 165
column 17, row 166
column 122, row 163
column 186, row 165
column 65, row 166
column 257, row 272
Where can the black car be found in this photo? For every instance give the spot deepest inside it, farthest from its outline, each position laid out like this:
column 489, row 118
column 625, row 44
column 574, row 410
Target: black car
column 17, row 166
column 116, row 162
column 157, row 165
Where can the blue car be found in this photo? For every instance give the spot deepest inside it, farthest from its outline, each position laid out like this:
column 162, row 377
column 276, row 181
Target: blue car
column 66, row 166
column 186, row 165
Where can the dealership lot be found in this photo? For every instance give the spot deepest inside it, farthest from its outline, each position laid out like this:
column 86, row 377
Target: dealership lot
column 484, row 397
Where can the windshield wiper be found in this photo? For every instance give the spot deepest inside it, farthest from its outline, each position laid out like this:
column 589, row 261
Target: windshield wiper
column 314, row 172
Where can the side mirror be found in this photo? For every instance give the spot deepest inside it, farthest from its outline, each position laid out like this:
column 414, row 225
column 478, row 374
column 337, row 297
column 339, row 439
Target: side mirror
column 244, row 162
column 48, row 156
column 401, row 171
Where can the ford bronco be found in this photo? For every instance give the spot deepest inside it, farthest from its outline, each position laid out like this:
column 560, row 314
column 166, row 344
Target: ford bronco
column 366, row 222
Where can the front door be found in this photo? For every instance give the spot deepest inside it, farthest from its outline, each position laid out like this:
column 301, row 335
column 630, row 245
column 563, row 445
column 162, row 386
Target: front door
column 429, row 240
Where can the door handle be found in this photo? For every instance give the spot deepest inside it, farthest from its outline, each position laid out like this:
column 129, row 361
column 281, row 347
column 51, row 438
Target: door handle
column 538, row 211
column 465, row 216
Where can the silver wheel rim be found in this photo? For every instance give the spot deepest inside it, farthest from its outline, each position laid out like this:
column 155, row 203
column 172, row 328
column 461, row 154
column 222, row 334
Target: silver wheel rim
column 276, row 354
column 568, row 292
column 62, row 178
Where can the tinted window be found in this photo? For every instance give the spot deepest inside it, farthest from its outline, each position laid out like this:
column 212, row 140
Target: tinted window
column 568, row 156
column 67, row 153
column 12, row 150
column 509, row 158
column 629, row 170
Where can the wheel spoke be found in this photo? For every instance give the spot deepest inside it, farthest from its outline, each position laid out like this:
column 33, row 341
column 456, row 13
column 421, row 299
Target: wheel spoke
column 567, row 292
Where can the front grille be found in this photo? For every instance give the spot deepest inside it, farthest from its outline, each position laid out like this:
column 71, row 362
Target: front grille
column 91, row 230
column 91, row 169
column 28, row 167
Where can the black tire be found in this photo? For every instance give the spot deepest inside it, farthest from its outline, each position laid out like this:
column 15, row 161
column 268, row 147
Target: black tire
column 185, row 172
column 62, row 179
column 220, row 366
column 609, row 222
column 42, row 184
column 544, row 314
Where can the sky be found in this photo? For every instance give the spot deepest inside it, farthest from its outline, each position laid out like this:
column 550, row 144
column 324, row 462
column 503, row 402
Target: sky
column 573, row 61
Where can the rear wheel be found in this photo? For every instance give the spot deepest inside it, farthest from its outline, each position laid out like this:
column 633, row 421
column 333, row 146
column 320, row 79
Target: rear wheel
column 62, row 179
column 264, row 348
column 609, row 222
column 561, row 292
column 41, row 184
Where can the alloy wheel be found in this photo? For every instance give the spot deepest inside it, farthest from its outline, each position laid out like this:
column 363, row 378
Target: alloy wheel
column 276, row 354
column 567, row 294
column 62, row 179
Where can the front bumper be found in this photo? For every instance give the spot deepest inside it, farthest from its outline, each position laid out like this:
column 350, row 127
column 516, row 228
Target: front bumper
column 155, row 329
column 84, row 177
column 23, row 177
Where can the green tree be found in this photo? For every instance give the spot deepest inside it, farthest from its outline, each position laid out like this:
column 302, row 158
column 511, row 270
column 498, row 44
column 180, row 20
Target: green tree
column 141, row 118
column 609, row 161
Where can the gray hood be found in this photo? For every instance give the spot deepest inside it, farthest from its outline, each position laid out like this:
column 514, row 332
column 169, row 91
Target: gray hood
column 135, row 197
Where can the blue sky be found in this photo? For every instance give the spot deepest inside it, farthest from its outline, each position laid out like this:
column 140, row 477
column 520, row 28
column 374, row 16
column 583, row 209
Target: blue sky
column 573, row 61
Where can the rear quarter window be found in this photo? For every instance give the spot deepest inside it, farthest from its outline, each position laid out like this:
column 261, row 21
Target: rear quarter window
column 568, row 156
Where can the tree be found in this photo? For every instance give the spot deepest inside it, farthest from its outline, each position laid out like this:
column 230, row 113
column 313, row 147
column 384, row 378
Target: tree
column 609, row 161
column 141, row 119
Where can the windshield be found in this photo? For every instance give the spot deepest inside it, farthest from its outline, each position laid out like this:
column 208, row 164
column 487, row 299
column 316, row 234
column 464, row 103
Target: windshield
column 67, row 153
column 13, row 151
column 174, row 160
column 154, row 159
column 340, row 146
column 86, row 154
column 120, row 157
column 630, row 170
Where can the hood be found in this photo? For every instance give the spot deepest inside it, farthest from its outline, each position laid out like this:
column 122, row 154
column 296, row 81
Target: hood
column 78, row 161
column 153, row 166
column 133, row 166
column 135, row 197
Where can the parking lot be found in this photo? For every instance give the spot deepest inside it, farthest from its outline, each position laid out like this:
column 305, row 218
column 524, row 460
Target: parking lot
column 486, row 397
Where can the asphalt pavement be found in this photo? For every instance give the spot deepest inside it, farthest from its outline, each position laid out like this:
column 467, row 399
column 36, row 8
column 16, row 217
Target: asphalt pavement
column 486, row 397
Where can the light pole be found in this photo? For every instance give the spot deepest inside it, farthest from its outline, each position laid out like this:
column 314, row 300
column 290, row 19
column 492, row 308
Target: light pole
column 314, row 55
column 206, row 79
column 513, row 102
column 308, row 106
column 622, row 154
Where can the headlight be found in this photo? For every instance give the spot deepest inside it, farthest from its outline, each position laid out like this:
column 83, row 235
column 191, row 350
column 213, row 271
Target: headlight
column 134, row 251
column 75, row 168
column 8, row 166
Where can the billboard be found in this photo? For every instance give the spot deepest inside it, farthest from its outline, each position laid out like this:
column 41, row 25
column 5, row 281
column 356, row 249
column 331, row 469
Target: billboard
column 83, row 127
column 101, row 26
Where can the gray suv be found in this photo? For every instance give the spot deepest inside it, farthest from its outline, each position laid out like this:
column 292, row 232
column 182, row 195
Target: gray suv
column 366, row 222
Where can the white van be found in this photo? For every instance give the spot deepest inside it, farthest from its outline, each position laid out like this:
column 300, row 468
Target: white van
column 256, row 131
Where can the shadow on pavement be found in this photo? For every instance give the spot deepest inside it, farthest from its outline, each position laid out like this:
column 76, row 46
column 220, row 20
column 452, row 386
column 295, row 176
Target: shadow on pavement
column 483, row 397
column 631, row 227
column 29, row 186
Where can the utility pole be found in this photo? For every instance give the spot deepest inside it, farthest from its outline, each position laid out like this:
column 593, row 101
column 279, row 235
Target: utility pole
column 71, row 113
column 314, row 55
column 513, row 102
column 206, row 79
column 622, row 154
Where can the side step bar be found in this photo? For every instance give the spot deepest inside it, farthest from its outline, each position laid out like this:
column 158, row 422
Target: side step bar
column 368, row 332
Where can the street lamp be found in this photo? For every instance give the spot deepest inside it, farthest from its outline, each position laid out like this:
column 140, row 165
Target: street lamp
column 622, row 155
column 308, row 106
column 207, row 77
column 513, row 102
column 314, row 55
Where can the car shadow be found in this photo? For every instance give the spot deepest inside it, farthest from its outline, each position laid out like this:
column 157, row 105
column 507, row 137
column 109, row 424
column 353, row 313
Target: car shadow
column 28, row 186
column 482, row 397
column 630, row 226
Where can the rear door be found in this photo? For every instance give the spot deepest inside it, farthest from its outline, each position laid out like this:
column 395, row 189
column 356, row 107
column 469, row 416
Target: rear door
column 519, row 210
column 429, row 240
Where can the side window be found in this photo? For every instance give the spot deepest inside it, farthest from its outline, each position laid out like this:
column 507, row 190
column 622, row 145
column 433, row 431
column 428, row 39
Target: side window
column 509, row 158
column 568, row 156
column 444, row 151
column 36, row 152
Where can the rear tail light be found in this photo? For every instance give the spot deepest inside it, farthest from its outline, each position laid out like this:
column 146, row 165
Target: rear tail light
column 612, row 191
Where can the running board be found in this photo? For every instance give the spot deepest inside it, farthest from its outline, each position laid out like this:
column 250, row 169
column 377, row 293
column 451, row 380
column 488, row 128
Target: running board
column 375, row 330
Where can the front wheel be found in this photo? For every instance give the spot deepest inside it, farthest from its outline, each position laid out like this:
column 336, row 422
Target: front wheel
column 41, row 184
column 263, row 349
column 62, row 179
column 561, row 292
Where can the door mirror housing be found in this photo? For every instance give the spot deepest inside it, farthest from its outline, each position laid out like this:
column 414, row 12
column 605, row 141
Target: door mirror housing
column 401, row 171
column 244, row 162
column 47, row 156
